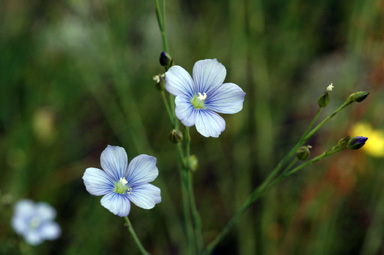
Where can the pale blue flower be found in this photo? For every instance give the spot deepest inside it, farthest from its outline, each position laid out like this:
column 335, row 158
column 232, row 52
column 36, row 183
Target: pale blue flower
column 120, row 183
column 34, row 221
column 199, row 100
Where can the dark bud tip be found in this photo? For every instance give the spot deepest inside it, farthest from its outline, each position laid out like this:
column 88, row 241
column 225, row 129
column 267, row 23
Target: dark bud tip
column 176, row 136
column 323, row 100
column 165, row 59
column 358, row 96
column 343, row 141
column 303, row 153
column 356, row 142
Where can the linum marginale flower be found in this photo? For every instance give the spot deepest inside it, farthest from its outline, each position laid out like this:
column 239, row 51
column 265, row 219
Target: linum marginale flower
column 198, row 100
column 34, row 221
column 120, row 183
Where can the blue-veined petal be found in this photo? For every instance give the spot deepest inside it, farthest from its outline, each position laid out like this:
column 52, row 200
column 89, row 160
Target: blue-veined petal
column 114, row 161
column 208, row 74
column 142, row 169
column 97, row 182
column 185, row 111
column 145, row 195
column 209, row 123
column 116, row 203
column 178, row 82
column 50, row 230
column 227, row 98
column 45, row 211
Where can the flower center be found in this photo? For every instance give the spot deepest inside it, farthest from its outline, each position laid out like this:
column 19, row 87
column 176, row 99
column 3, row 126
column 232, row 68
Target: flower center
column 121, row 186
column 198, row 100
column 34, row 223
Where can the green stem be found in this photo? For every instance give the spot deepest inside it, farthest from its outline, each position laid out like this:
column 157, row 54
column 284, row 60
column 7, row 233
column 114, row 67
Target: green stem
column 186, row 202
column 259, row 191
column 170, row 115
column 347, row 102
column 192, row 203
column 133, row 233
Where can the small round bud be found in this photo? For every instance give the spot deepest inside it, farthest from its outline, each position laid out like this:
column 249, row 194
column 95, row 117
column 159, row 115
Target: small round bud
column 343, row 141
column 358, row 96
column 303, row 152
column 323, row 100
column 356, row 142
column 193, row 163
column 160, row 81
column 176, row 136
column 165, row 59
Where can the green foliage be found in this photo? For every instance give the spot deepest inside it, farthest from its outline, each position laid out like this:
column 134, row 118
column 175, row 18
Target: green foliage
column 77, row 75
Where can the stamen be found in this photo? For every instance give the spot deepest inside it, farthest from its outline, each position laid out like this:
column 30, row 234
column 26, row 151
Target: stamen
column 123, row 180
column 202, row 97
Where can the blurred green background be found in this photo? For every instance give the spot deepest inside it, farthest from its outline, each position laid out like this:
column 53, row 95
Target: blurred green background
column 76, row 76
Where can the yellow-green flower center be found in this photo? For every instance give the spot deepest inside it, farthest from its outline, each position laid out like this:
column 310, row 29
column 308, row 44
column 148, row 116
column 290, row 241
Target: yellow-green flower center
column 121, row 186
column 34, row 223
column 198, row 101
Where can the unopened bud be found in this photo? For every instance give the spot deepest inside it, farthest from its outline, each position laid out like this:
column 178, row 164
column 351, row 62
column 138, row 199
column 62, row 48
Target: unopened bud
column 358, row 96
column 303, row 152
column 176, row 136
column 165, row 59
column 160, row 81
column 193, row 163
column 323, row 100
column 343, row 141
column 356, row 142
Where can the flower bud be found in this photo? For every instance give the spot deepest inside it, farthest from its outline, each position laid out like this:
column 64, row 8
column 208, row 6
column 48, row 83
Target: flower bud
column 160, row 81
column 176, row 136
column 323, row 100
column 193, row 163
column 303, row 152
column 356, row 142
column 358, row 96
column 343, row 141
column 165, row 59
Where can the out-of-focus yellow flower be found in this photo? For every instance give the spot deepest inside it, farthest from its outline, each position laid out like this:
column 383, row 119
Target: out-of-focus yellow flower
column 375, row 143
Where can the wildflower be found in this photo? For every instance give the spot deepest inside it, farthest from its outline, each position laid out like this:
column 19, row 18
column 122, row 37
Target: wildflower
column 198, row 100
column 34, row 221
column 120, row 183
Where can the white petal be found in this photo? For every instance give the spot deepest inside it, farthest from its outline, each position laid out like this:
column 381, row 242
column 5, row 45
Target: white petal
column 185, row 111
column 44, row 211
column 33, row 238
column 116, row 203
column 209, row 123
column 25, row 207
column 178, row 82
column 142, row 169
column 145, row 196
column 97, row 182
column 114, row 161
column 19, row 224
column 227, row 98
column 50, row 230
column 208, row 74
